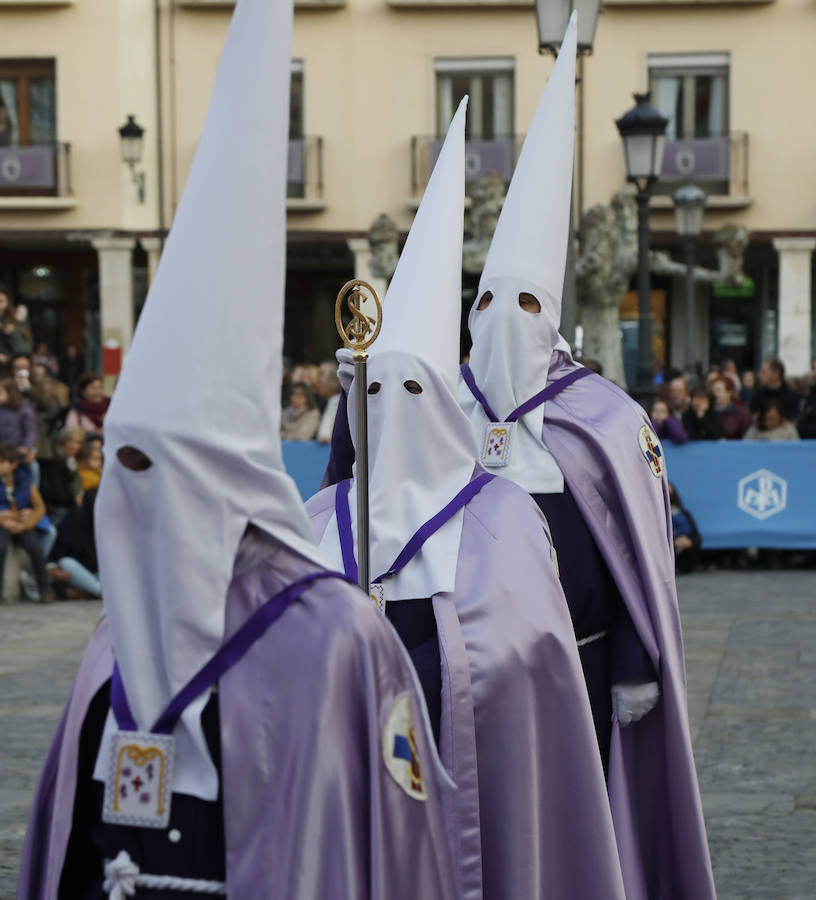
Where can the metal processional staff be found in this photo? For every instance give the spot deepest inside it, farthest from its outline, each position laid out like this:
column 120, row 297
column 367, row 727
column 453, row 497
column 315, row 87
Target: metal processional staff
column 358, row 335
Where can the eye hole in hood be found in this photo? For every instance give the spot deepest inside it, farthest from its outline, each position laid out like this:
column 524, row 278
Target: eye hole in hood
column 484, row 300
column 529, row 302
column 413, row 387
column 132, row 458
column 374, row 387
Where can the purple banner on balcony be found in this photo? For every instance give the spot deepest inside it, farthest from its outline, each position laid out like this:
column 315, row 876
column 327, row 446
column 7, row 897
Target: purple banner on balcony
column 701, row 159
column 27, row 167
column 295, row 165
column 482, row 157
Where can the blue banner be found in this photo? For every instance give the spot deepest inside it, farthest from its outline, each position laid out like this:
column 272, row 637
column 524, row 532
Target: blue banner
column 748, row 493
column 306, row 462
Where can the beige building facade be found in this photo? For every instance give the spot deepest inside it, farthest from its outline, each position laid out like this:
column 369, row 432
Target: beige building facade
column 373, row 85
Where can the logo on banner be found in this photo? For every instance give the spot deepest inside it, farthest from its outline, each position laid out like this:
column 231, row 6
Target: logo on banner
column 651, row 450
column 762, row 494
column 400, row 749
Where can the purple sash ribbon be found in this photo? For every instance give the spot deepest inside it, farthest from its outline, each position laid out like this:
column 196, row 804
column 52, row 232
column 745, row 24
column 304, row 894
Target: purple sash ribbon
column 528, row 406
column 230, row 653
column 414, row 545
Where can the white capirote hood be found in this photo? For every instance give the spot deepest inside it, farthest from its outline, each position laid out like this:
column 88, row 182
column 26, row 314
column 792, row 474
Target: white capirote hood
column 200, row 396
column 512, row 348
column 421, row 451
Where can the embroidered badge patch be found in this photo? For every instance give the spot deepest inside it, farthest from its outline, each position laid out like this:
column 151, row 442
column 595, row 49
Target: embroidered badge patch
column 138, row 786
column 378, row 596
column 651, row 450
column 400, row 750
column 497, row 443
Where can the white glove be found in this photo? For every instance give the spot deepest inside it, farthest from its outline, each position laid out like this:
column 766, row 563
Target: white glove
column 631, row 702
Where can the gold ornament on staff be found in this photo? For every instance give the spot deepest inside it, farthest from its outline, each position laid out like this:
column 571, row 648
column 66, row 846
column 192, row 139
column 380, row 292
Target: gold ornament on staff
column 355, row 335
column 358, row 336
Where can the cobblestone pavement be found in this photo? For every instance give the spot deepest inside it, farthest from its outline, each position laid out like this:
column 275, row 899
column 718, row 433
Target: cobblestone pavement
column 751, row 659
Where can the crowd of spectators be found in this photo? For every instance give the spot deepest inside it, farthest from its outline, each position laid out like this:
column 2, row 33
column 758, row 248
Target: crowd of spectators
column 311, row 395
column 52, row 415
column 729, row 406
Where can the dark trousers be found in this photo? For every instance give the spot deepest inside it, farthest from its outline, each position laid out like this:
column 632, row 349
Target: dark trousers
column 29, row 541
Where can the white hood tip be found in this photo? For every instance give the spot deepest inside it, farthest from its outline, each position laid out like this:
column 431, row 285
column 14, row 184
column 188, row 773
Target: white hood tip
column 530, row 241
column 422, row 309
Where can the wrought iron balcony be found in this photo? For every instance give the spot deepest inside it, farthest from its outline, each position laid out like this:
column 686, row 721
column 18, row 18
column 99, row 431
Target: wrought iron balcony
column 481, row 157
column 39, row 170
column 719, row 165
column 305, row 169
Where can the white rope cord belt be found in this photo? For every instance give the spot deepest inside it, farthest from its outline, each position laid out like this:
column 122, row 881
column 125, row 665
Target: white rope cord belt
column 592, row 638
column 122, row 877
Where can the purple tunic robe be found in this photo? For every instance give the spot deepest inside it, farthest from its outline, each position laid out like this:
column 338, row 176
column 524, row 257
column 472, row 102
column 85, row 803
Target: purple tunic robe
column 531, row 817
column 591, row 428
column 310, row 809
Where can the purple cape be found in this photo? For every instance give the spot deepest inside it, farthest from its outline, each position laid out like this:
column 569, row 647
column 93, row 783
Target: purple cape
column 531, row 817
column 591, row 429
column 310, row 808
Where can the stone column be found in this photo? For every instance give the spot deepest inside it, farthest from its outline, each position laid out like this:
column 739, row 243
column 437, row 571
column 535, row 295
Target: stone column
column 152, row 246
column 794, row 327
column 361, row 248
column 115, row 291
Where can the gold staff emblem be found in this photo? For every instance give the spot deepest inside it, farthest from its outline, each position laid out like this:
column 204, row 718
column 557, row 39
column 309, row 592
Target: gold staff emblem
column 362, row 329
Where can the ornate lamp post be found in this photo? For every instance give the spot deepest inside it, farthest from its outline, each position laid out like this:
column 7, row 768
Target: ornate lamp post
column 552, row 17
column 689, row 201
column 132, row 135
column 642, row 130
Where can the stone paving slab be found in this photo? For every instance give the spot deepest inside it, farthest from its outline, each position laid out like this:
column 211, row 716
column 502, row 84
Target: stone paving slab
column 751, row 658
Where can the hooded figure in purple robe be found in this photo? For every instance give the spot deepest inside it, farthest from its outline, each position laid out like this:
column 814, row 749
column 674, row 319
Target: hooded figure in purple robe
column 463, row 566
column 243, row 721
column 589, row 458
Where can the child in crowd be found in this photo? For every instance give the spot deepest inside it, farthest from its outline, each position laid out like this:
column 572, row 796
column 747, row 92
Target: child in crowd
column 17, row 423
column 666, row 427
column 687, row 540
column 21, row 508
column 74, row 554
column 89, row 464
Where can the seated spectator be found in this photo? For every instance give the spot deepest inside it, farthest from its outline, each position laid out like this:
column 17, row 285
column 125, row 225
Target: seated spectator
column 772, row 425
column 729, row 369
column 61, row 483
column 307, row 374
column 72, row 365
column 89, row 465
column 91, row 406
column 328, row 391
column 17, row 422
column 666, row 427
column 772, row 386
column 678, row 396
column 47, row 397
column 14, row 336
column 748, row 389
column 807, row 421
column 42, row 356
column 300, row 419
column 73, row 556
column 21, row 508
column 734, row 418
column 687, row 540
column 700, row 421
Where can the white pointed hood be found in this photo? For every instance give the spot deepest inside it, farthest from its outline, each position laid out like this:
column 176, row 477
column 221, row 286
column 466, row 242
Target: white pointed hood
column 200, row 396
column 512, row 348
column 421, row 452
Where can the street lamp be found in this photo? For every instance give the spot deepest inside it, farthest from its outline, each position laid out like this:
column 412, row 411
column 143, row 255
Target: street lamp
column 642, row 130
column 132, row 134
column 689, row 201
column 553, row 17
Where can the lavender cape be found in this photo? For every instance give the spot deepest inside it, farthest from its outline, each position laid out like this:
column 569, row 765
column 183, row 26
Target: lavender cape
column 530, row 818
column 591, row 428
column 310, row 809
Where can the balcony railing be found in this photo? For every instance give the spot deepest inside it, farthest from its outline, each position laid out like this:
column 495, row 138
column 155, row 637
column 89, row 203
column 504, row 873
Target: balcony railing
column 305, row 168
column 41, row 170
column 481, row 157
column 718, row 164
